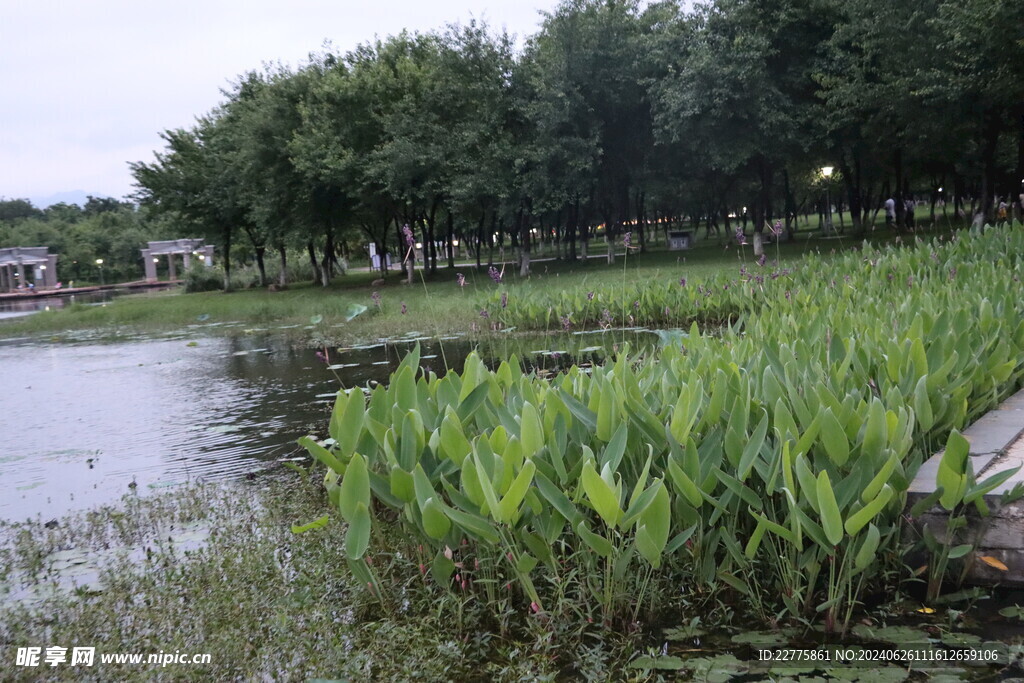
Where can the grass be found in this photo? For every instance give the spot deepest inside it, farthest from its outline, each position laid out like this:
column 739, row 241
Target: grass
column 434, row 306
column 266, row 603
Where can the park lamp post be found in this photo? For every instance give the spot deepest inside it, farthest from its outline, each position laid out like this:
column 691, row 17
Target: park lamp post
column 99, row 264
column 826, row 172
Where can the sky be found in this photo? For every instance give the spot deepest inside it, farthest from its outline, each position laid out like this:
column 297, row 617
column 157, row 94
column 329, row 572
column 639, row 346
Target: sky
column 87, row 86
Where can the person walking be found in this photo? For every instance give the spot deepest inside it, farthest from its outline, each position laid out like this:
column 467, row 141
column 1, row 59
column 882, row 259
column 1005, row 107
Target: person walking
column 890, row 212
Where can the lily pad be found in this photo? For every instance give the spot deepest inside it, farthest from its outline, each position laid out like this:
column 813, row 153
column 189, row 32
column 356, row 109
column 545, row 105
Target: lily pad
column 354, row 310
column 955, row 638
column 663, row 663
column 764, row 637
column 890, row 634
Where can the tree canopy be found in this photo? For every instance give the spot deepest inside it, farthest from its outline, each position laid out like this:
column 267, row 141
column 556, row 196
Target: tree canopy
column 614, row 113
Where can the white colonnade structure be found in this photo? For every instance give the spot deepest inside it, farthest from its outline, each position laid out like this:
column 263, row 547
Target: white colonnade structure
column 14, row 261
column 187, row 248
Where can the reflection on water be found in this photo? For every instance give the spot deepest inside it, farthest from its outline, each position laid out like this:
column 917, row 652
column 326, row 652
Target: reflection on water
column 15, row 307
column 81, row 423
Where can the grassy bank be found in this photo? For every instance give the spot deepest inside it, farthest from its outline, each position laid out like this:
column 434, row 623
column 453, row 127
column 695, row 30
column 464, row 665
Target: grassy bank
column 436, row 304
column 266, row 603
column 217, row 570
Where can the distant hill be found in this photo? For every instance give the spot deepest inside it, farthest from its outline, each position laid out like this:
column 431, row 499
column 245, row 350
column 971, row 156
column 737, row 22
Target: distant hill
column 73, row 197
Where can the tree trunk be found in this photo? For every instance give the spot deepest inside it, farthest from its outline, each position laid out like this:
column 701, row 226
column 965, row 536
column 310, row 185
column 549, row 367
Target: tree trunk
column 901, row 209
column 988, row 181
column 325, row 264
column 226, row 235
column 261, row 266
column 480, row 237
column 450, row 248
column 854, row 191
column 790, row 204
column 311, row 250
column 524, row 243
column 282, row 277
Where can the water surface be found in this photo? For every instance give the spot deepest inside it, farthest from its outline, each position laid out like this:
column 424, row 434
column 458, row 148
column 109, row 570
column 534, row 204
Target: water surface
column 85, row 423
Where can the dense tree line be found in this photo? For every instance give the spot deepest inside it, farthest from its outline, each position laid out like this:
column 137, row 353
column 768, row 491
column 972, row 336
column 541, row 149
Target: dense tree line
column 616, row 114
column 103, row 228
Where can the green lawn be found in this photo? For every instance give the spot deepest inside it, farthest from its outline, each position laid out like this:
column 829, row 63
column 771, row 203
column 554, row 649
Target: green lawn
column 434, row 304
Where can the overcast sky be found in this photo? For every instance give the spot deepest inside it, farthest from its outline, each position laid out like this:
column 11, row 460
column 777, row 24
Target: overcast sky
column 87, row 85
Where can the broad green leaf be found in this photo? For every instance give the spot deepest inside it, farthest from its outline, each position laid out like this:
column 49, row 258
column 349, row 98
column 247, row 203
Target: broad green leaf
column 402, row 484
column 322, row 454
column 508, row 507
column 355, row 488
column 922, row 405
column 875, row 485
column 435, row 522
column 454, row 445
column 473, row 525
column 834, row 438
column 866, row 553
column 526, row 563
column 856, row 521
column 531, row 431
column 685, row 485
column 959, row 551
column 952, row 473
column 875, row 436
column 599, row 544
column 442, row 568
column 600, row 495
column 357, row 539
column 831, row 518
column 347, row 421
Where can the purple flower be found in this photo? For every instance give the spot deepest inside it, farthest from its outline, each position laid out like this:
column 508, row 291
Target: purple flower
column 787, row 295
column 761, row 260
column 741, row 239
column 667, row 311
column 682, row 282
column 376, row 298
column 606, row 318
column 485, row 314
column 504, row 299
column 322, row 356
column 636, row 305
column 590, row 296
column 493, row 273
column 404, row 309
column 461, row 279
column 952, row 273
column 910, row 281
column 410, row 241
column 566, row 322
column 627, row 240
column 777, row 228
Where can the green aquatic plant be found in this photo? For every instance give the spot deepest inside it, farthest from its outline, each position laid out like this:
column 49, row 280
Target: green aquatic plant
column 767, row 463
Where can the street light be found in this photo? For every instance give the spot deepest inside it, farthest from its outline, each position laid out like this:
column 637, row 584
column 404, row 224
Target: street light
column 99, row 264
column 826, row 172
